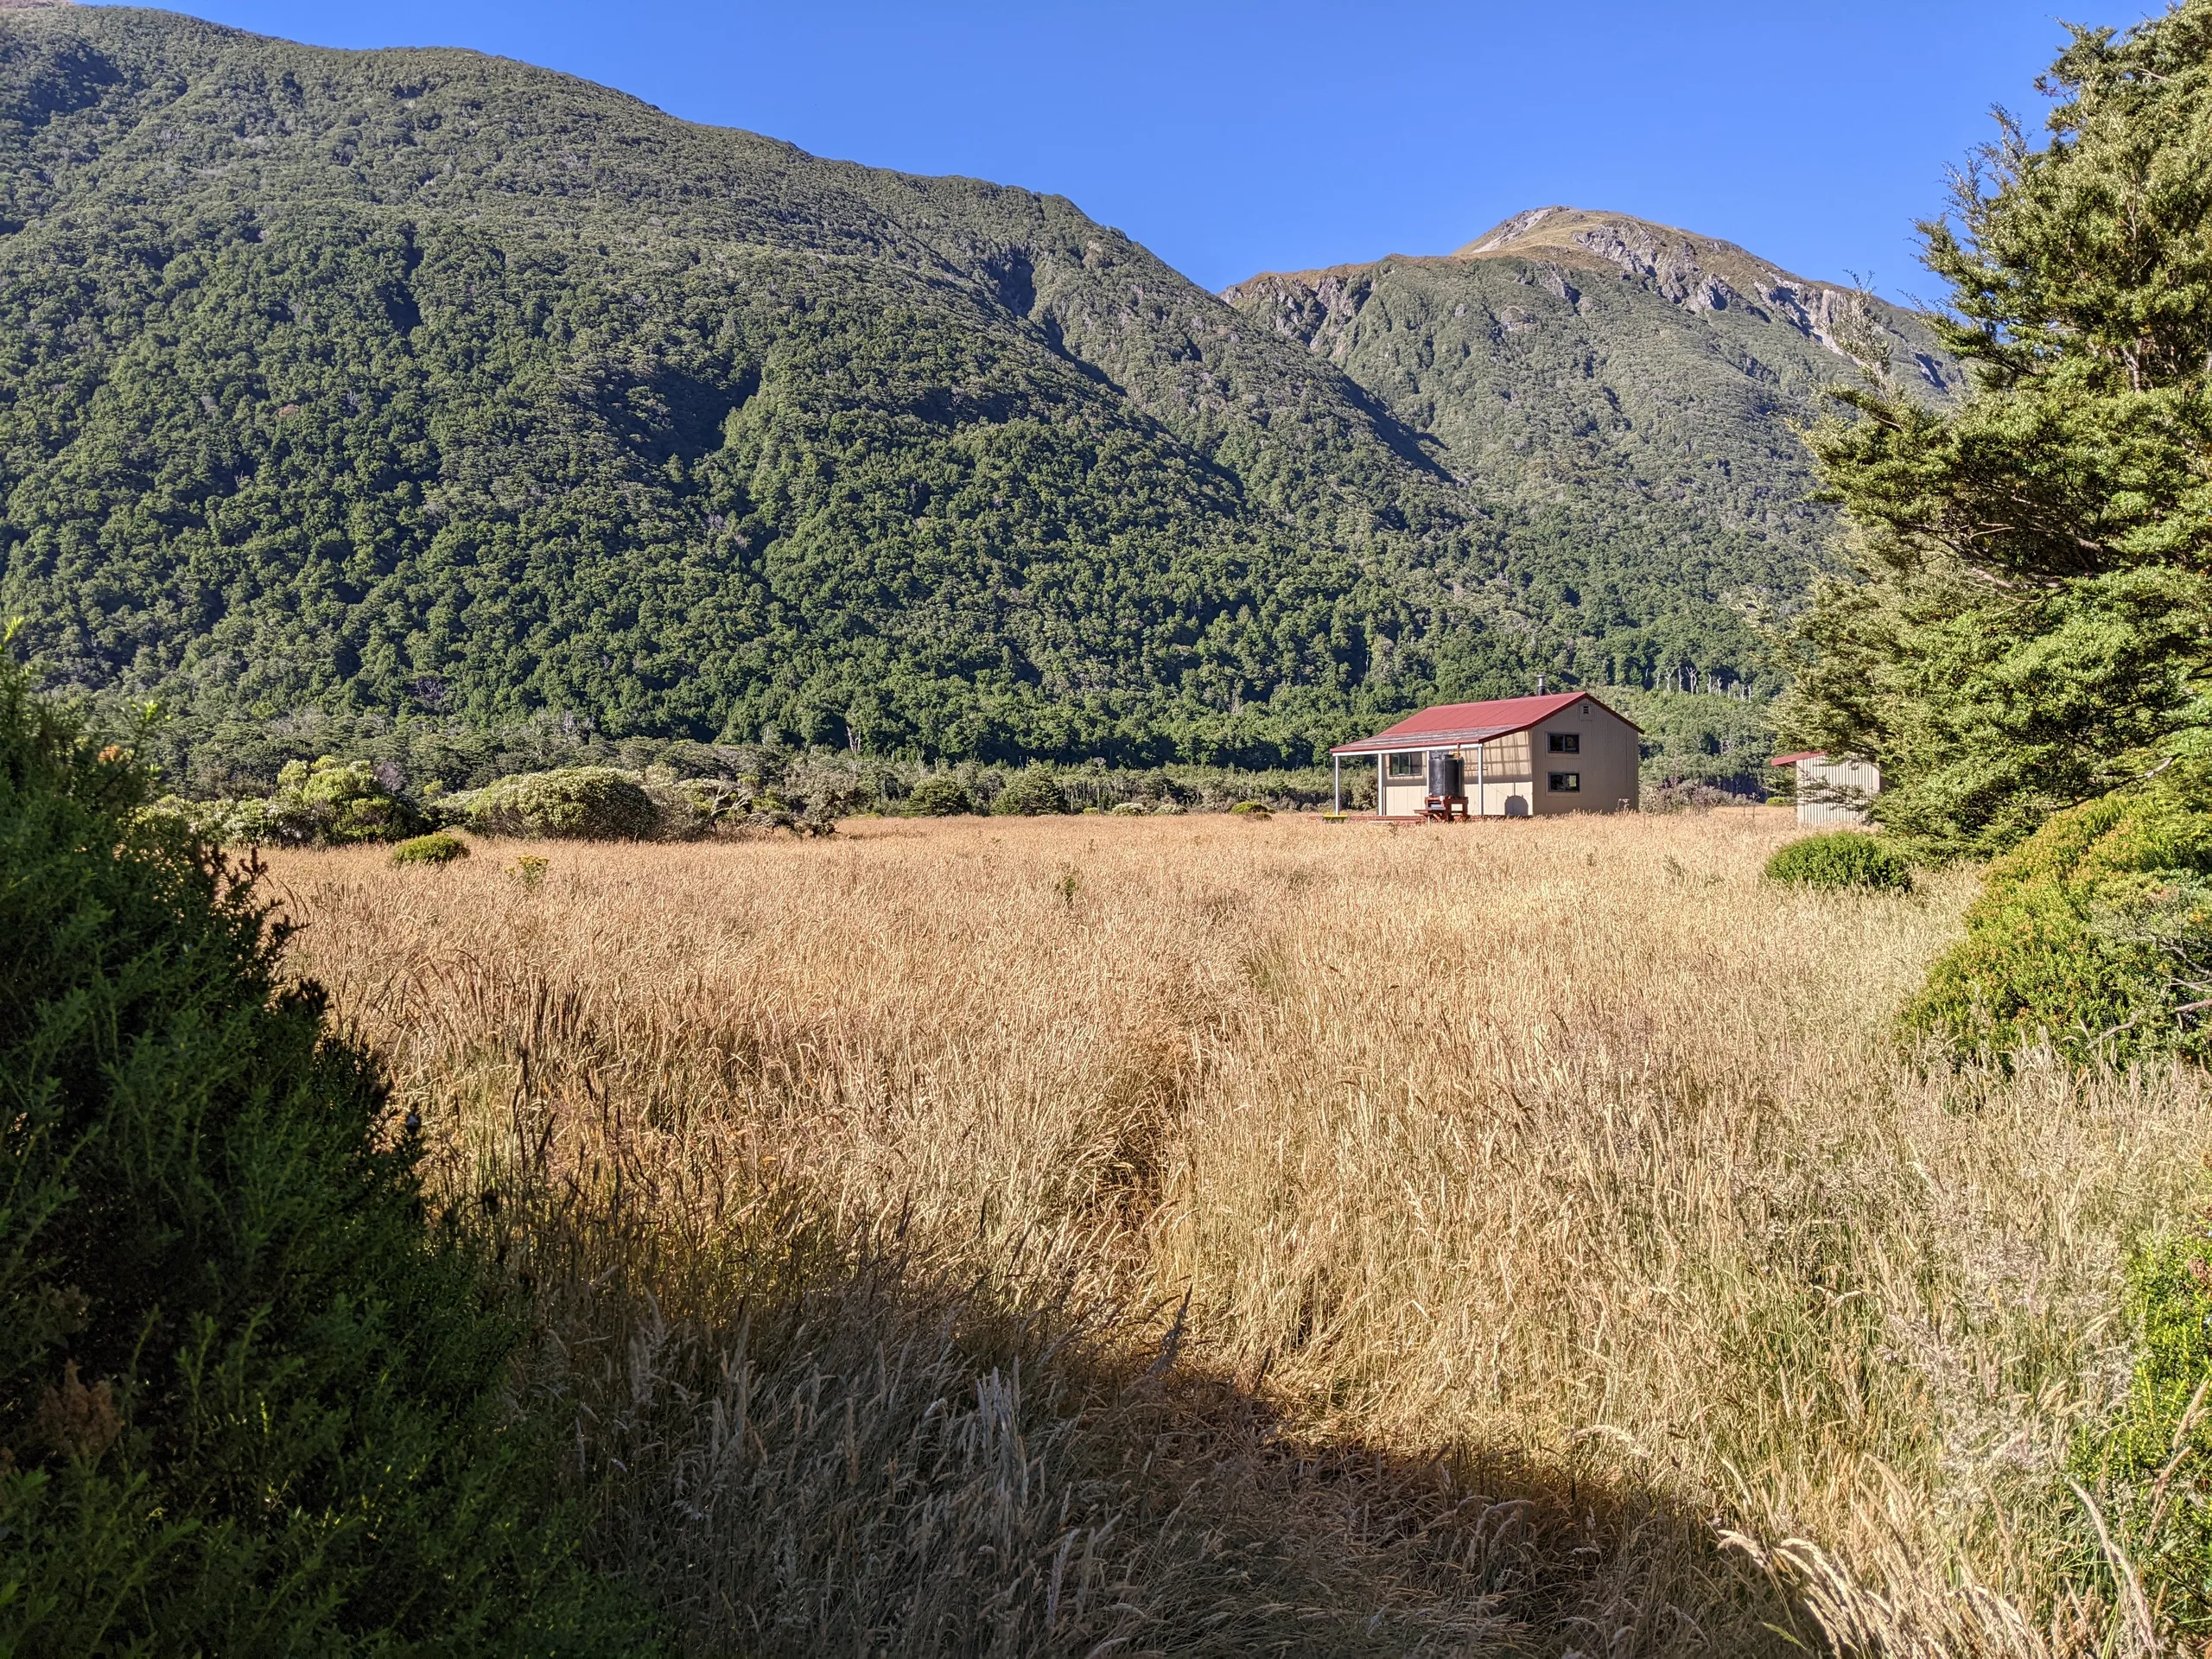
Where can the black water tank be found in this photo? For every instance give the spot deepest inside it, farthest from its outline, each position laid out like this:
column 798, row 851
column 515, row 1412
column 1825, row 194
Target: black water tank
column 1444, row 778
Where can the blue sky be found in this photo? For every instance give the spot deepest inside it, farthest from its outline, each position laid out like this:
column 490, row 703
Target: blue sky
column 1234, row 138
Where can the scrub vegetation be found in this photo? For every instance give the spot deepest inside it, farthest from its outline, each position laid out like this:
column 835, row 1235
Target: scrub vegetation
column 437, row 848
column 2095, row 935
column 253, row 1399
column 387, row 779
column 1843, row 858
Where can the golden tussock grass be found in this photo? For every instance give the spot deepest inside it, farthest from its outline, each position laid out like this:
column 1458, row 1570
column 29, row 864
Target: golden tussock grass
column 1203, row 1234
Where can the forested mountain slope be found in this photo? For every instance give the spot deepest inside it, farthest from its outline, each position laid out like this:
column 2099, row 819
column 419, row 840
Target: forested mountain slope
column 1634, row 391
column 423, row 383
column 423, row 380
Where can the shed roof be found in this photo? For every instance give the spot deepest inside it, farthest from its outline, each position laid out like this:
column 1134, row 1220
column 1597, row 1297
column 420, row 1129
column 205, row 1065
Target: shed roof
column 1450, row 723
column 1802, row 754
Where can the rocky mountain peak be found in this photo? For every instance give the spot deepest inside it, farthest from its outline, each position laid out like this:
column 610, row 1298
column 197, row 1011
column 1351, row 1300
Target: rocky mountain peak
column 1701, row 272
column 1640, row 247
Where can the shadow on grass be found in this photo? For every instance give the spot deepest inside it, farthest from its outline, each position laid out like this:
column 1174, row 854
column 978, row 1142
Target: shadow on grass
column 796, row 1441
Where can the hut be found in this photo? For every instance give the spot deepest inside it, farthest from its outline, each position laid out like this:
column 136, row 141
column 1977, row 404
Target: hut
column 1509, row 757
column 1831, row 792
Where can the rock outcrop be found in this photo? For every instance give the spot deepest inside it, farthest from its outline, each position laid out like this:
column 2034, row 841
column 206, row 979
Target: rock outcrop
column 1701, row 272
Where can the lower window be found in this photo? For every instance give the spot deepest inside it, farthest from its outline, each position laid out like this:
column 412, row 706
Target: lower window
column 1567, row 783
column 1408, row 766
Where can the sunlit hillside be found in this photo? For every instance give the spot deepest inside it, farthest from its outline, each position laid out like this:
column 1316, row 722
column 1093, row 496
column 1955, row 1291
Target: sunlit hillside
column 1638, row 391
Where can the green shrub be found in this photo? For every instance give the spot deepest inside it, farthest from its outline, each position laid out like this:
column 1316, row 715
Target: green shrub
column 828, row 799
column 250, row 1402
column 2162, row 1525
column 573, row 803
column 685, row 808
column 1251, row 810
column 326, row 803
column 2094, row 935
column 220, row 823
column 436, row 848
column 1031, row 793
column 710, row 799
column 1842, row 858
column 1130, row 809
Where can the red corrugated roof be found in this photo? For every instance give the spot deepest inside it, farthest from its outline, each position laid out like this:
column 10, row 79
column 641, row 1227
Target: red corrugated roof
column 1448, row 723
column 1802, row 754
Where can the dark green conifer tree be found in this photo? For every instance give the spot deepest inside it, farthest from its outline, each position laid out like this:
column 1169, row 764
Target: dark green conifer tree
column 2033, row 624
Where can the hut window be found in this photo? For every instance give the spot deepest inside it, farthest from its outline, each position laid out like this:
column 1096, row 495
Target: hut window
column 1566, row 742
column 1409, row 766
column 1567, row 783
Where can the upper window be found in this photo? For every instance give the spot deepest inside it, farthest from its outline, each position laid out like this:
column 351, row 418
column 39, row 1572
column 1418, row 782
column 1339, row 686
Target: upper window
column 1566, row 742
column 1409, row 766
column 1567, row 783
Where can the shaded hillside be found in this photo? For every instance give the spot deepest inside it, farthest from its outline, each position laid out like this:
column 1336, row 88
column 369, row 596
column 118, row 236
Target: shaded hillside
column 423, row 381
column 1633, row 391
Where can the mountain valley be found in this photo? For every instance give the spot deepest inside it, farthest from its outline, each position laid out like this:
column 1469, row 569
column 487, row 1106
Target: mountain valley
column 422, row 385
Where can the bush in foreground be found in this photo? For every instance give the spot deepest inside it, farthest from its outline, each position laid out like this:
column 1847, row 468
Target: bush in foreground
column 2130, row 1462
column 2094, row 935
column 249, row 1403
column 1843, row 858
column 572, row 803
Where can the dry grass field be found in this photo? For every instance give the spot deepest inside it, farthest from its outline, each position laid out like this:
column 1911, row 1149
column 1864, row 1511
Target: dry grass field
column 1202, row 1234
